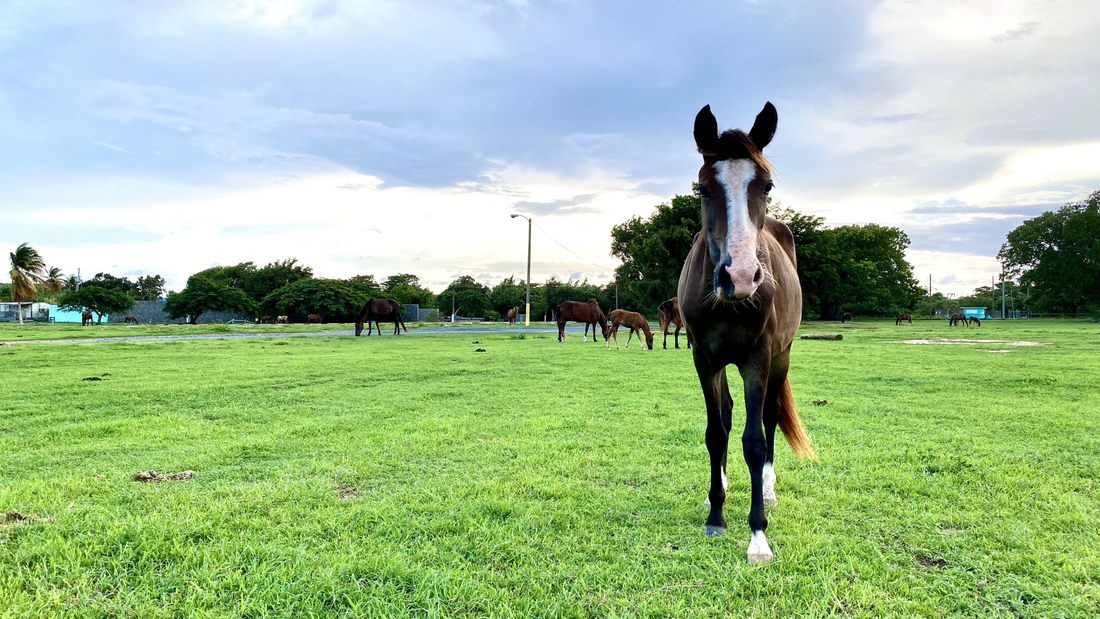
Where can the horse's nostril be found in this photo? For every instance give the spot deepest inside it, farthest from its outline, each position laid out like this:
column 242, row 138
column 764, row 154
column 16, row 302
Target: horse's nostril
column 724, row 278
column 759, row 276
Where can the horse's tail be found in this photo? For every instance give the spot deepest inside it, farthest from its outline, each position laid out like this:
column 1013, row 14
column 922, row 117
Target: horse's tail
column 791, row 425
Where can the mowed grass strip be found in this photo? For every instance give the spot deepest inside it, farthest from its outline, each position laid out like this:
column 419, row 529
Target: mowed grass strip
column 412, row 476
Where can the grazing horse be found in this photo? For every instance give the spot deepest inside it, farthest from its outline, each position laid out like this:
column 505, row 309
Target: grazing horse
column 956, row 319
column 636, row 322
column 264, row 319
column 85, row 318
column 379, row 311
column 669, row 313
column 130, row 319
column 512, row 314
column 740, row 298
column 281, row 320
column 846, row 317
column 902, row 318
column 973, row 319
column 313, row 318
column 589, row 313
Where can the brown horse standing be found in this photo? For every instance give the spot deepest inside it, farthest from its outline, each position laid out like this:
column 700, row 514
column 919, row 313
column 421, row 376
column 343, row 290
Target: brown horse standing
column 85, row 318
column 973, row 319
column 313, row 318
column 669, row 313
column 902, row 318
column 589, row 313
column 956, row 319
column 636, row 322
column 740, row 298
column 130, row 319
column 512, row 313
column 379, row 311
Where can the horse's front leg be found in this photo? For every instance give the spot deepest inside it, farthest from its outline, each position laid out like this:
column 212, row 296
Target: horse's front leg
column 586, row 331
column 754, row 444
column 717, row 438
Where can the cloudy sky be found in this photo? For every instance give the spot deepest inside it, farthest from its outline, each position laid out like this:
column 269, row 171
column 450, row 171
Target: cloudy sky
column 384, row 137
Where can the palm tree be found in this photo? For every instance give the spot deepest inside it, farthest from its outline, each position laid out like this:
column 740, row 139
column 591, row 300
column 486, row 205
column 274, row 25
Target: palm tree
column 28, row 270
column 54, row 281
column 70, row 283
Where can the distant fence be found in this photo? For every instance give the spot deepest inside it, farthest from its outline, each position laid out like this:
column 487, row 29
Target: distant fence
column 414, row 313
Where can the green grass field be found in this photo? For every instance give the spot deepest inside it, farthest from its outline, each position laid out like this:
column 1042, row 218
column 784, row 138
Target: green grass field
column 412, row 476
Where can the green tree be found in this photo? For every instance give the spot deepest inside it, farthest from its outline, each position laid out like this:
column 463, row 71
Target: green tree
column 508, row 294
column 96, row 299
column 54, row 282
column 861, row 269
column 406, row 288
column 470, row 298
column 206, row 293
column 110, row 282
column 1056, row 256
column 259, row 283
column 28, row 271
column 653, row 251
column 5, row 292
column 150, row 287
column 332, row 298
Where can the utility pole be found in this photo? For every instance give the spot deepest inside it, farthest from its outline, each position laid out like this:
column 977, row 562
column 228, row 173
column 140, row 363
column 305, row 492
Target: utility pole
column 527, row 311
column 78, row 278
column 452, row 306
column 931, row 312
column 1002, row 296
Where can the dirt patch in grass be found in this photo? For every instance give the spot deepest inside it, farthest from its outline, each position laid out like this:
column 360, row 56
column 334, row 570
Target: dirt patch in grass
column 345, row 492
column 930, row 562
column 14, row 517
column 144, row 476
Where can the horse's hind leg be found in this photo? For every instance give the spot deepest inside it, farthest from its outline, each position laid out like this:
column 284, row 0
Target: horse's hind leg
column 676, row 339
column 776, row 379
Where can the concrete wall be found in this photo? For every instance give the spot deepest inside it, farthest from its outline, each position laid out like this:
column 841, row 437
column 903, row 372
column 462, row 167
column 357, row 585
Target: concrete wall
column 153, row 312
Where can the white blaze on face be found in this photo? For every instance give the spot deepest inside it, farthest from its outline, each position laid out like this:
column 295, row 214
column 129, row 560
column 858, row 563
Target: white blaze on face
column 735, row 176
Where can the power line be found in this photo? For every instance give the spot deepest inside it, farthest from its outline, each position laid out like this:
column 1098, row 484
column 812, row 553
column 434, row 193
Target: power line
column 570, row 250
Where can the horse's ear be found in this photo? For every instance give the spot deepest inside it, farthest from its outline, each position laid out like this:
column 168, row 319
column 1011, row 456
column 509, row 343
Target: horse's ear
column 706, row 132
column 764, row 128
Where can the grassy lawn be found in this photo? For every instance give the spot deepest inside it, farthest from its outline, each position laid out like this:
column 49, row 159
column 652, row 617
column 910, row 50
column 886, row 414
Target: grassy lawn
column 411, row 476
column 13, row 332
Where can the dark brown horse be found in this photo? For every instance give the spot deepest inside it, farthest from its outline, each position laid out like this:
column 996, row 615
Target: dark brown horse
column 379, row 311
column 85, row 318
column 130, row 319
column 956, row 319
column 741, row 301
column 264, row 319
column 635, row 322
column 846, row 317
column 589, row 313
column 902, row 318
column 973, row 320
column 669, row 313
column 512, row 314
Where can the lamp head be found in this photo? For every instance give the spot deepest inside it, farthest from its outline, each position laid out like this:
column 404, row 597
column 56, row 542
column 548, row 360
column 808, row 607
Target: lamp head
column 514, row 215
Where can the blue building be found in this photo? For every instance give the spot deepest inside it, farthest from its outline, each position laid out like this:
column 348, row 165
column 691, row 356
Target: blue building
column 976, row 312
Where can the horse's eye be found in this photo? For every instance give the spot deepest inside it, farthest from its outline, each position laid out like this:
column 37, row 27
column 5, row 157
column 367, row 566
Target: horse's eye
column 703, row 191
column 769, row 187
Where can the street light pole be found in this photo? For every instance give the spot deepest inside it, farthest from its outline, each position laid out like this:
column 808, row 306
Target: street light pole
column 527, row 312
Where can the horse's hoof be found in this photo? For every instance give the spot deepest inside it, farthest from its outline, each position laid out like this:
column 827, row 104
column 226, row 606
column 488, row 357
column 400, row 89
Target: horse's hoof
column 714, row 531
column 759, row 551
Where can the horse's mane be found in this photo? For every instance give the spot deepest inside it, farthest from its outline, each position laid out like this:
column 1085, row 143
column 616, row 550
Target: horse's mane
column 736, row 144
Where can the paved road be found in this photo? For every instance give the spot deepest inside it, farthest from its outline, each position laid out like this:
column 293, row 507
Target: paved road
column 231, row 336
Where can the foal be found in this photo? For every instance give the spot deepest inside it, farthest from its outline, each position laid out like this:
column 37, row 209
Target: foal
column 636, row 322
column 740, row 297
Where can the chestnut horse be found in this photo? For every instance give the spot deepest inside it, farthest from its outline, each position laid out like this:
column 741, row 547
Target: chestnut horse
column 379, row 311
column 130, row 319
column 740, row 298
column 902, row 318
column 636, row 322
column 85, row 318
column 589, row 313
column 512, row 313
column 669, row 313
column 313, row 318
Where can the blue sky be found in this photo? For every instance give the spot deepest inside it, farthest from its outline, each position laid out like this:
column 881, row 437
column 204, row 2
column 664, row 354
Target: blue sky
column 384, row 137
